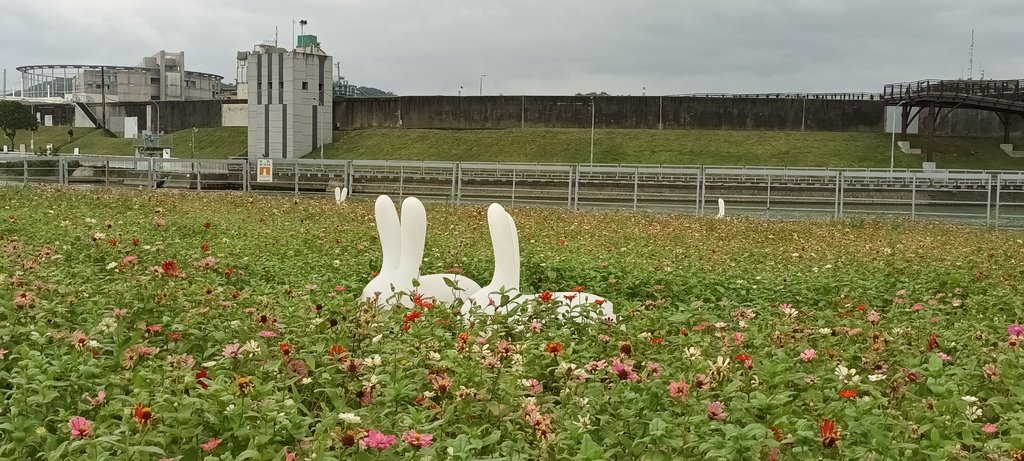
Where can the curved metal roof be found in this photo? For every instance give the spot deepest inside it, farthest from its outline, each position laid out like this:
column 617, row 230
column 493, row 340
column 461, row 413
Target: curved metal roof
column 100, row 66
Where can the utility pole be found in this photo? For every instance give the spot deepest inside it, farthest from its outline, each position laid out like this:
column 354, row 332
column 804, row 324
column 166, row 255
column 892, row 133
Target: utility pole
column 103, row 93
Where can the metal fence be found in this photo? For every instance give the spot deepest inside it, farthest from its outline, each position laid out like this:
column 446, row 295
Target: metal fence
column 991, row 198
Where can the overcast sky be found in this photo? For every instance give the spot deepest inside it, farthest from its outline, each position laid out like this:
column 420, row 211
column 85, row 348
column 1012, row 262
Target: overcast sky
column 415, row 47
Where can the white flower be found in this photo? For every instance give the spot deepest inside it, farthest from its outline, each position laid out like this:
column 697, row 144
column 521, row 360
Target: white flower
column 848, row 375
column 969, row 398
column 434, row 356
column 742, row 323
column 693, row 353
column 429, row 394
column 209, row 364
column 973, row 412
column 90, row 221
column 99, row 236
column 252, row 347
column 825, row 331
column 372, row 361
column 112, row 265
column 721, row 325
column 94, row 344
column 230, row 408
column 350, row 418
column 376, row 338
column 307, row 380
column 645, row 336
column 565, row 367
column 874, row 378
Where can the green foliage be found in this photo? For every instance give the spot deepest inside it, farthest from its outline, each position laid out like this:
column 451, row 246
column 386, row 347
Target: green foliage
column 13, row 117
column 93, row 303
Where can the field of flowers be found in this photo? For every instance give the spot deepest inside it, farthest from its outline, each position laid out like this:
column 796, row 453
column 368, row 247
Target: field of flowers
column 162, row 325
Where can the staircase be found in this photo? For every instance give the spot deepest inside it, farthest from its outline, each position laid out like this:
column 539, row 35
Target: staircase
column 88, row 113
column 905, row 147
column 1008, row 148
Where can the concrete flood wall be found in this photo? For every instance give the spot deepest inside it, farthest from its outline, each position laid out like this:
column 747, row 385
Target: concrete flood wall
column 644, row 112
column 173, row 115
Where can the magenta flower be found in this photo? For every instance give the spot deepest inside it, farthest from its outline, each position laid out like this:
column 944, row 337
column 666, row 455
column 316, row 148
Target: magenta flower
column 624, row 370
column 210, row 445
column 378, row 440
column 418, row 440
column 679, row 389
column 1015, row 330
column 268, row 334
column 808, row 354
column 81, row 428
column 716, row 411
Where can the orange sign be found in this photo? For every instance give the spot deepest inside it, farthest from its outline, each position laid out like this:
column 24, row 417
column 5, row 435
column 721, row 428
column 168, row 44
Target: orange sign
column 265, row 170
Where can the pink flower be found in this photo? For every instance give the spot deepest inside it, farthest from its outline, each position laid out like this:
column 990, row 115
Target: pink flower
column 716, row 411
column 81, row 428
column 100, row 398
column 1015, row 330
column 536, row 326
column 3, row 353
column 808, row 354
column 679, row 389
column 990, row 428
column 654, row 368
column 944, row 357
column 268, row 334
column 874, row 316
column 290, row 455
column 991, row 372
column 377, row 440
column 210, row 445
column 231, row 350
column 624, row 370
column 532, row 386
column 159, row 221
column 596, row 365
column 917, row 307
column 418, row 440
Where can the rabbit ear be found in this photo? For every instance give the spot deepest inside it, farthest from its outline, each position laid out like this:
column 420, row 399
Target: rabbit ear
column 503, row 259
column 514, row 248
column 389, row 230
column 414, row 235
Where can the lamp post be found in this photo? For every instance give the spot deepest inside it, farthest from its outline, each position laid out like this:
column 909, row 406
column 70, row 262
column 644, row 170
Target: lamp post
column 482, row 84
column 892, row 147
column 194, row 130
column 592, row 118
column 157, row 128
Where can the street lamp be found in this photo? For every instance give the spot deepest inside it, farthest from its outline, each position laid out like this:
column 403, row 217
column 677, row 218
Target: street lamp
column 320, row 128
column 592, row 118
column 892, row 148
column 482, row 84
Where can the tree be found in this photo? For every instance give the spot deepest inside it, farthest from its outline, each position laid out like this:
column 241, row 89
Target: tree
column 13, row 117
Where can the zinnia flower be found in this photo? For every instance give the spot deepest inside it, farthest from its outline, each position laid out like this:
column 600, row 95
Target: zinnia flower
column 143, row 414
column 554, row 348
column 418, row 440
column 378, row 440
column 81, row 428
column 990, row 428
column 808, row 354
column 716, row 411
column 679, row 389
column 848, row 393
column 210, row 445
column 829, row 433
column 231, row 350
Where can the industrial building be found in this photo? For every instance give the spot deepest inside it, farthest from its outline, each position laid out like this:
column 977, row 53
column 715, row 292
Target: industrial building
column 289, row 97
column 160, row 77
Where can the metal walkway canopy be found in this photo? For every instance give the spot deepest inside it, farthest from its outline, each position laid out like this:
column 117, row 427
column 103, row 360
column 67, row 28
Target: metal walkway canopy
column 1003, row 97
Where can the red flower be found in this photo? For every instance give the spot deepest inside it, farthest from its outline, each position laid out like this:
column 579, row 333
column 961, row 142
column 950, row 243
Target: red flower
column 545, row 296
column 169, row 268
column 229, row 272
column 599, row 302
column 743, row 357
column 412, row 316
column 418, row 300
column 143, row 414
column 777, row 433
column 579, row 288
column 829, row 433
column 848, row 393
column 135, row 242
column 210, row 445
column 337, row 351
column 657, row 340
column 554, row 348
column 933, row 341
column 200, row 376
column 174, row 336
column 859, row 308
column 285, row 348
column 204, row 247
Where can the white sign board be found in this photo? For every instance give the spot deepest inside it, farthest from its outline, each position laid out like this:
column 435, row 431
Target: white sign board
column 265, row 170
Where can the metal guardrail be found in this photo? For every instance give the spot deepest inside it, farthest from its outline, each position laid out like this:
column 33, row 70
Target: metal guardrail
column 1006, row 89
column 991, row 198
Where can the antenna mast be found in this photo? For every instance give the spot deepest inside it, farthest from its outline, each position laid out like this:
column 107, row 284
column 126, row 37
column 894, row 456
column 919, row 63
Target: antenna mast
column 970, row 59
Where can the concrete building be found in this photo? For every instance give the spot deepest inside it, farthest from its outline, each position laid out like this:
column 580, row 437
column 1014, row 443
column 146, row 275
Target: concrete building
column 160, row 77
column 289, row 99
